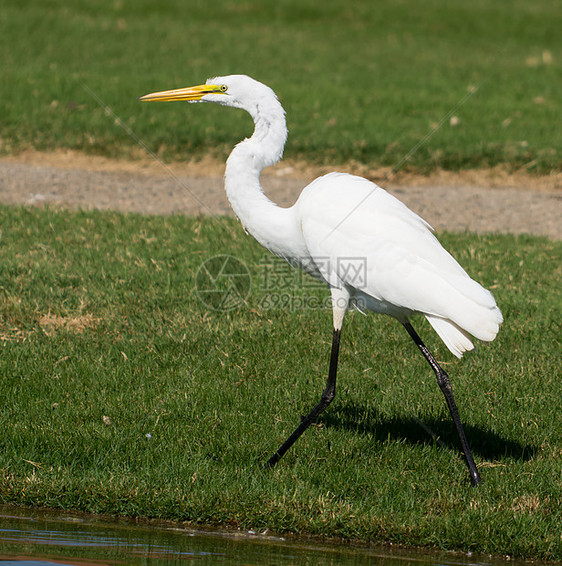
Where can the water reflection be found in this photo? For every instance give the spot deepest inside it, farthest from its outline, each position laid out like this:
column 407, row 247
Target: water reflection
column 39, row 538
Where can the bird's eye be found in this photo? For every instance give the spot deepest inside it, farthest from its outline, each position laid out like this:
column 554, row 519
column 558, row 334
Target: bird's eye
column 224, row 88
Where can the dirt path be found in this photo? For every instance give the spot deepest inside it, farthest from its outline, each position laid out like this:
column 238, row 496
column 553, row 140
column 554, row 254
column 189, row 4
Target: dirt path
column 483, row 201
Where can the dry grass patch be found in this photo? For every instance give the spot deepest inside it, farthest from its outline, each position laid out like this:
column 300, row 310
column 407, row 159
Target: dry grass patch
column 52, row 323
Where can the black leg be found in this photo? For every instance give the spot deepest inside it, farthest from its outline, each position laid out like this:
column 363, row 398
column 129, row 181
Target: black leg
column 327, row 397
column 445, row 385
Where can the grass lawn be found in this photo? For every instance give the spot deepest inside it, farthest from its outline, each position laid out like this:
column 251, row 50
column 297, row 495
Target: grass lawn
column 363, row 81
column 122, row 392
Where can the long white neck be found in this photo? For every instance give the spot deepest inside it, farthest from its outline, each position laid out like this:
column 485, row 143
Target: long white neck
column 273, row 227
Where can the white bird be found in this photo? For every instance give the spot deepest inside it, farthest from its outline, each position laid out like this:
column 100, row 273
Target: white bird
column 372, row 251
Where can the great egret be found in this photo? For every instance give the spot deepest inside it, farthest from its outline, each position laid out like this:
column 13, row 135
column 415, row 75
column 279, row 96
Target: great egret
column 372, row 251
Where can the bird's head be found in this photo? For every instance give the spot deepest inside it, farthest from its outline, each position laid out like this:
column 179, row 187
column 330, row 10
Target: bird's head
column 238, row 91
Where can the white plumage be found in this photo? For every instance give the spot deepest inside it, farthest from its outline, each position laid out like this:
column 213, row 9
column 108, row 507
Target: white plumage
column 407, row 269
column 344, row 216
column 372, row 251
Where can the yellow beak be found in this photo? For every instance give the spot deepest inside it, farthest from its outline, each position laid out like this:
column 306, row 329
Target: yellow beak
column 191, row 93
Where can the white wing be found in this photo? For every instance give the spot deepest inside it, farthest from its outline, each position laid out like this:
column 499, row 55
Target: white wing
column 360, row 236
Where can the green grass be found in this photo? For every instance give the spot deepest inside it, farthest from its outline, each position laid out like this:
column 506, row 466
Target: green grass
column 363, row 81
column 99, row 318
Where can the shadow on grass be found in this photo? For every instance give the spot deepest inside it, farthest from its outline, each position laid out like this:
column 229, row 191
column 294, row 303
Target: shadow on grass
column 485, row 443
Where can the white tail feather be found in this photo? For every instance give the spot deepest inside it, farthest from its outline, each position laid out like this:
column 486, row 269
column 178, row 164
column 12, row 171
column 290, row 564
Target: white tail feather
column 455, row 338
